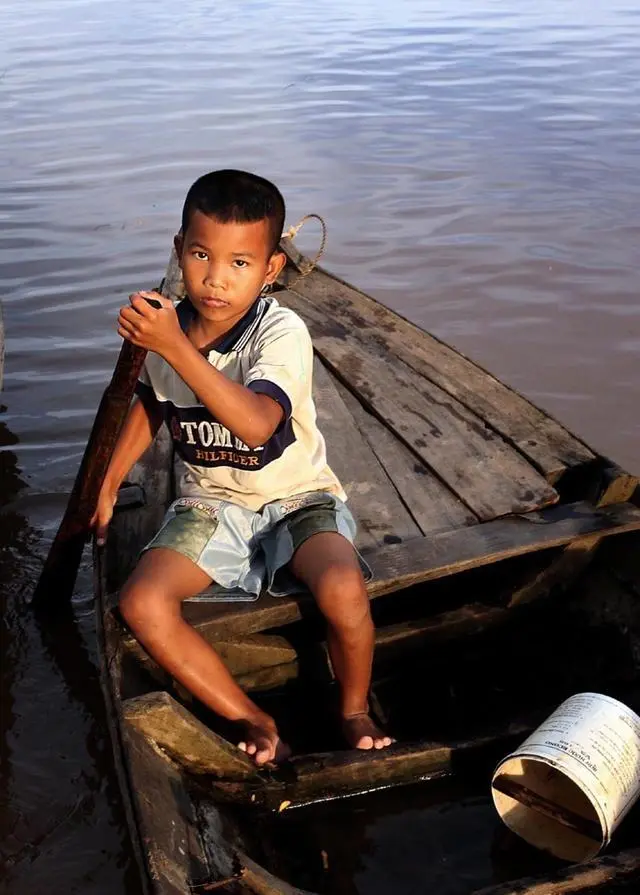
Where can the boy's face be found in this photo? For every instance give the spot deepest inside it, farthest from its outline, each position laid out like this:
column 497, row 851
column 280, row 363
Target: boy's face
column 225, row 266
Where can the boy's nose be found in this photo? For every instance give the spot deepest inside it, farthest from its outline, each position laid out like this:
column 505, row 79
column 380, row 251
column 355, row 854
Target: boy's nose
column 214, row 276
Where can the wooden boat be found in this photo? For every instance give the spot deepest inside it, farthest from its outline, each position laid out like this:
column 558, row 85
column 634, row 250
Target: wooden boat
column 506, row 577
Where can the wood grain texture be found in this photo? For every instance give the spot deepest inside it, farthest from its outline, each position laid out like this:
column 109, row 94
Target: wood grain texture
column 381, row 515
column 175, row 730
column 165, row 819
column 487, row 474
column 431, row 503
column 616, row 486
column 315, row 776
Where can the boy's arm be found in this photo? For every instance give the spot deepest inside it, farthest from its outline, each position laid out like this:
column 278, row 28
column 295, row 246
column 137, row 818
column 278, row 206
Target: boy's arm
column 137, row 433
column 249, row 415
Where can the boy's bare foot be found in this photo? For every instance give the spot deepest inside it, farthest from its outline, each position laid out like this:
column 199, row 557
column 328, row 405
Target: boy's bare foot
column 262, row 742
column 361, row 732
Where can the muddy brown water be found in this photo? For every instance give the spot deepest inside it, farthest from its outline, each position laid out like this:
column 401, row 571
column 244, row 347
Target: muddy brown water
column 477, row 165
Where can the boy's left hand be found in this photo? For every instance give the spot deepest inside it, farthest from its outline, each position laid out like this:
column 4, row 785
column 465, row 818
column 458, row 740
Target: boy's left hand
column 156, row 329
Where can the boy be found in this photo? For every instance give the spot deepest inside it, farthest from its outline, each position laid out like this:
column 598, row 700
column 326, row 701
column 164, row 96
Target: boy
column 230, row 371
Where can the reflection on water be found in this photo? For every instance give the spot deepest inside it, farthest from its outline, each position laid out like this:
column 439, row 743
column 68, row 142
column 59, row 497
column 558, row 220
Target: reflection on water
column 477, row 166
column 61, row 819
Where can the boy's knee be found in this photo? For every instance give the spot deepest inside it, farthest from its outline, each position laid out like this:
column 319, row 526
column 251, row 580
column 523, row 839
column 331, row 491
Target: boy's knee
column 138, row 605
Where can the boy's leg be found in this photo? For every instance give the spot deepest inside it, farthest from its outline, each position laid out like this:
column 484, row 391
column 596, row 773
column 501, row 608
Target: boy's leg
column 328, row 565
column 150, row 603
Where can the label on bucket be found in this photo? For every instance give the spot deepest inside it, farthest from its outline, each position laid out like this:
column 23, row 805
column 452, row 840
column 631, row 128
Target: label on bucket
column 595, row 740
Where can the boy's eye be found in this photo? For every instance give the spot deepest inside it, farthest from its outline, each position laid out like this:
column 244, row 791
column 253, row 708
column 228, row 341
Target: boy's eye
column 201, row 256
column 239, row 262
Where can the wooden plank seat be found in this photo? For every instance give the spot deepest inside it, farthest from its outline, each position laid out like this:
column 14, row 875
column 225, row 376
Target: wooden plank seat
column 175, row 730
column 424, row 559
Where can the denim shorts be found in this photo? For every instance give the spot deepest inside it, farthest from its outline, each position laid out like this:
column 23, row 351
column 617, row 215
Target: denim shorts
column 244, row 551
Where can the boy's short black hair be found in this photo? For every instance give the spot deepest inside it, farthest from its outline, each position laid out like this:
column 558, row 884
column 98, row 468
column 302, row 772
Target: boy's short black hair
column 238, row 197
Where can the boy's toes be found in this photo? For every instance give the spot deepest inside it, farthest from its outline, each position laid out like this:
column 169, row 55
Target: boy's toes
column 361, row 732
column 264, row 745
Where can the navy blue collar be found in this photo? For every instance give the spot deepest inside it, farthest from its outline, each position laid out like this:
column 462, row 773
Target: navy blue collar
column 186, row 313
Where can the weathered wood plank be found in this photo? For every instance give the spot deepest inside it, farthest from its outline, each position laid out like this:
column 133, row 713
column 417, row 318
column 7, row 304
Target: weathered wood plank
column 246, row 654
column 560, row 573
column 170, row 726
column 432, row 504
column 381, row 515
column 263, row 679
column 482, row 469
column 306, row 778
column 258, row 669
column 423, row 559
column 165, row 819
column 548, row 444
column 256, row 662
column 395, row 641
column 261, row 882
column 616, row 486
column 160, row 816
column 590, row 877
column 393, row 644
column 242, row 655
column 131, row 529
column 173, row 284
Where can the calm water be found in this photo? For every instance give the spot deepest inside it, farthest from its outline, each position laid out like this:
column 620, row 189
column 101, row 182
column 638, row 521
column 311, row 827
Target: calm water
column 477, row 164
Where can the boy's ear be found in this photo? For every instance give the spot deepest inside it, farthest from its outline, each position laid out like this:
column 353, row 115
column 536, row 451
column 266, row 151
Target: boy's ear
column 276, row 262
column 178, row 244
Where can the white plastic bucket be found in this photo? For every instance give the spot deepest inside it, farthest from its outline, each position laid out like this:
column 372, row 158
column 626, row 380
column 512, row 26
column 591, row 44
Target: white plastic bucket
column 568, row 786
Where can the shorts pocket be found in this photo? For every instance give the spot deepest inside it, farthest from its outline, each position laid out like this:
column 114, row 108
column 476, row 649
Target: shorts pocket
column 188, row 532
column 310, row 521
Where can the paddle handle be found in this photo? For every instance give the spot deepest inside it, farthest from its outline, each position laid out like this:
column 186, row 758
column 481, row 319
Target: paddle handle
column 60, row 569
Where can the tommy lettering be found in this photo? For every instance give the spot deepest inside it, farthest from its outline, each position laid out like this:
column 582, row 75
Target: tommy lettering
column 222, row 436
column 205, row 433
column 188, row 428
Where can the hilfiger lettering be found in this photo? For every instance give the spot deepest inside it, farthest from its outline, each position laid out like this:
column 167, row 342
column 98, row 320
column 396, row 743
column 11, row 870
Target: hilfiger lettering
column 229, row 456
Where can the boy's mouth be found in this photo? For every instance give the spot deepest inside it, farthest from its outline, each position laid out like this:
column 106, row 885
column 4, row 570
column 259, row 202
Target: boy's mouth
column 212, row 302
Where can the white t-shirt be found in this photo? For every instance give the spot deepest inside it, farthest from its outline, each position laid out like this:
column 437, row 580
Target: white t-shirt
column 269, row 350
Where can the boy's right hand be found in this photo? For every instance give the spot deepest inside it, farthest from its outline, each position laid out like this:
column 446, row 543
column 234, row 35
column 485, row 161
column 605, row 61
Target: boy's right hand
column 104, row 511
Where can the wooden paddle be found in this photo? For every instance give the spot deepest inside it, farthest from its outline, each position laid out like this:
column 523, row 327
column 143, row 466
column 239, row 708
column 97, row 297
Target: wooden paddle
column 61, row 567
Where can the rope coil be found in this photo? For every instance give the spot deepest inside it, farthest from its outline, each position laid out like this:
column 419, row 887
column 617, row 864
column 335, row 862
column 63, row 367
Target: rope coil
column 292, row 232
